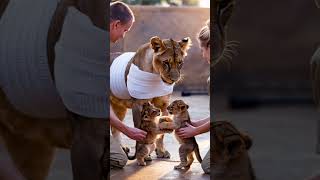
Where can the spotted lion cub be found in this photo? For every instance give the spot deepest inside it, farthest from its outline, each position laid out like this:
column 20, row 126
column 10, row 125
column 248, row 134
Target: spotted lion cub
column 179, row 110
column 149, row 123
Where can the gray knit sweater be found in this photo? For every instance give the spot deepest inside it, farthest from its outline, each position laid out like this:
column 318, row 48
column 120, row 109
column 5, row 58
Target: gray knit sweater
column 24, row 72
column 80, row 66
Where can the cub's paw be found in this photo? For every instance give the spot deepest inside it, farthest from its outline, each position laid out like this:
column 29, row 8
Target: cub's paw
column 182, row 165
column 178, row 166
column 148, row 158
column 142, row 163
column 161, row 154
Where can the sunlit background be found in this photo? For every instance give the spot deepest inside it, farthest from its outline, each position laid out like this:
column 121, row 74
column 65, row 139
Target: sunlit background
column 199, row 3
column 204, row 3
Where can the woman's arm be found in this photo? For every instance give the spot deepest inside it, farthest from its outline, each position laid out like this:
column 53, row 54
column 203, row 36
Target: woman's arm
column 191, row 131
column 200, row 122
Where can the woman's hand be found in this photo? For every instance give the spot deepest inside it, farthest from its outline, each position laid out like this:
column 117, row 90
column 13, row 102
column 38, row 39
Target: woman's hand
column 135, row 133
column 187, row 132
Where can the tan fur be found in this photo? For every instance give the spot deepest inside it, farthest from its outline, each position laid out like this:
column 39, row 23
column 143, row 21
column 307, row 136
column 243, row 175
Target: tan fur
column 188, row 146
column 230, row 159
column 154, row 57
column 150, row 124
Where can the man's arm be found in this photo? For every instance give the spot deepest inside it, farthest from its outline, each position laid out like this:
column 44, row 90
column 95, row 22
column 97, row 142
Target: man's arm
column 132, row 133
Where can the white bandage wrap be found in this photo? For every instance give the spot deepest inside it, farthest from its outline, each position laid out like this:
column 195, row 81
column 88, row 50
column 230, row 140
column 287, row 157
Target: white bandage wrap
column 140, row 84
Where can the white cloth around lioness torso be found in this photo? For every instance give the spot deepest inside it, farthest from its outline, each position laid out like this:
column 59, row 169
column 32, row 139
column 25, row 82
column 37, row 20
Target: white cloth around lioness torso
column 140, row 84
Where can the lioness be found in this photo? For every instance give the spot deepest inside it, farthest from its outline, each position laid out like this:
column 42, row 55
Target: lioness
column 163, row 59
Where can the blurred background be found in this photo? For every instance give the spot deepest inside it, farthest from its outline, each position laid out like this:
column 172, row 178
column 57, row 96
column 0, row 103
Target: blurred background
column 266, row 90
column 277, row 42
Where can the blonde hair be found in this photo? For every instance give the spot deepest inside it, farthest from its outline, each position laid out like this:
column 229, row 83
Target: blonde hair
column 204, row 35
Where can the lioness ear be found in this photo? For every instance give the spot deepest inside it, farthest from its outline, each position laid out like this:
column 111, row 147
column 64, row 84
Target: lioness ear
column 247, row 139
column 185, row 44
column 157, row 44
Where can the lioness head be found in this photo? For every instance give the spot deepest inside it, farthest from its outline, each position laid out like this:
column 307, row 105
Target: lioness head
column 149, row 112
column 177, row 107
column 168, row 57
column 228, row 142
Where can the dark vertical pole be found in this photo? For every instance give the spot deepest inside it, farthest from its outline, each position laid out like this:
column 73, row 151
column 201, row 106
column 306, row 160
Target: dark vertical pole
column 318, row 137
column 213, row 12
column 106, row 156
column 318, row 123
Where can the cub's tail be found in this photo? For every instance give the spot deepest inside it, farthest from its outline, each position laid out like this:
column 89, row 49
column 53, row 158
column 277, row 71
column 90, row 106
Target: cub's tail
column 197, row 153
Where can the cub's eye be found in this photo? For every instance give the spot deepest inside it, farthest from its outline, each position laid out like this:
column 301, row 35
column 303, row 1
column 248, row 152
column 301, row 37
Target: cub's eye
column 166, row 64
column 180, row 63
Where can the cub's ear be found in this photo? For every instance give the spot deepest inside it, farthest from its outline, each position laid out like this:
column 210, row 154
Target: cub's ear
column 157, row 44
column 184, row 107
column 185, row 44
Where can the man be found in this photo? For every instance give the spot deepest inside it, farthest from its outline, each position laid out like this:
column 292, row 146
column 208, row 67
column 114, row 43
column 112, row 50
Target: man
column 121, row 20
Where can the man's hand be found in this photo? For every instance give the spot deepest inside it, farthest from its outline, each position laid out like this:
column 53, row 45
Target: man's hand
column 135, row 133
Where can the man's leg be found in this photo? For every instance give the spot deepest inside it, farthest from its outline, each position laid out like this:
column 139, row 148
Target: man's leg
column 88, row 146
column 206, row 163
column 118, row 157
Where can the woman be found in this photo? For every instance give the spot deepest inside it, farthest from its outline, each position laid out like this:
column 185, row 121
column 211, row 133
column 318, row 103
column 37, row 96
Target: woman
column 203, row 125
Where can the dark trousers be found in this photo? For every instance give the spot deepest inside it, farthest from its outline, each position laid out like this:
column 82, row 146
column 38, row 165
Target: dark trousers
column 89, row 148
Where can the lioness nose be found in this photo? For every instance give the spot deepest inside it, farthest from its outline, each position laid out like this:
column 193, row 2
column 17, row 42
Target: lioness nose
column 174, row 76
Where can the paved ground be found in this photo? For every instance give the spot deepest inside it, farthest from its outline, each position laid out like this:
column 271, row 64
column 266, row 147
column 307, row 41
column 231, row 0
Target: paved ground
column 284, row 139
column 163, row 169
column 284, row 144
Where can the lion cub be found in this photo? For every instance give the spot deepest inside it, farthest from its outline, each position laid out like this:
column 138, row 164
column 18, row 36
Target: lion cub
column 150, row 124
column 179, row 110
